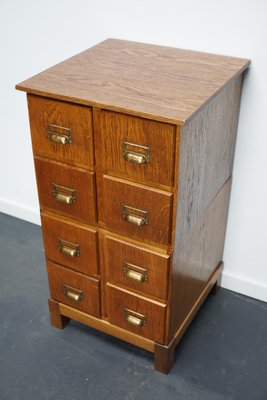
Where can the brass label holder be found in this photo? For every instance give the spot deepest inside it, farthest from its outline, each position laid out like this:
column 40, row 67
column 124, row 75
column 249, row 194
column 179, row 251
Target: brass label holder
column 63, row 194
column 134, row 272
column 134, row 215
column 59, row 134
column 135, row 153
column 69, row 248
column 134, row 319
column 72, row 293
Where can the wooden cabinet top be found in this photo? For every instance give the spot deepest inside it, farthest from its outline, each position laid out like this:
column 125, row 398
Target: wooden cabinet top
column 155, row 82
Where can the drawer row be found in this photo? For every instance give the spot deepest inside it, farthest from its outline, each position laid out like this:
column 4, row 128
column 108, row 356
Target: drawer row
column 125, row 309
column 135, row 210
column 126, row 264
column 130, row 147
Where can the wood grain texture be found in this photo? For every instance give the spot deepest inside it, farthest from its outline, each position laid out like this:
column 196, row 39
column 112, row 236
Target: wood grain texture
column 156, row 82
column 44, row 111
column 154, row 312
column 55, row 228
column 196, row 257
column 48, row 172
column 115, row 129
column 207, row 146
column 59, row 276
column 146, row 246
column 157, row 203
column 117, row 252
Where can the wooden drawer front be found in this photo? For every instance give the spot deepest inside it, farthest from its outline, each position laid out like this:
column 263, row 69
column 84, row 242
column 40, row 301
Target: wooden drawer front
column 70, row 244
column 127, row 311
column 56, row 182
column 122, row 199
column 136, row 268
column 53, row 121
column 121, row 138
column 75, row 289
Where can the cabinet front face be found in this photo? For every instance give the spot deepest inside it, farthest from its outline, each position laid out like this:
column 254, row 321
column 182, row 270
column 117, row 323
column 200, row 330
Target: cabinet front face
column 67, row 190
column 137, row 211
column 61, row 131
column 138, row 149
column 74, row 289
column 70, row 244
column 136, row 268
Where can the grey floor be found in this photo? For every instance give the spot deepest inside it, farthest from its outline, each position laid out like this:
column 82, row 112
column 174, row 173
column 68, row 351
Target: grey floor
column 222, row 356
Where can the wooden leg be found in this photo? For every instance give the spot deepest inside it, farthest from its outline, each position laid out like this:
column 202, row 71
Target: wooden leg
column 215, row 288
column 57, row 320
column 164, row 357
column 217, row 284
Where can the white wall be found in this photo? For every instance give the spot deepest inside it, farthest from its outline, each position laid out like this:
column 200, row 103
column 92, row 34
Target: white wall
column 35, row 34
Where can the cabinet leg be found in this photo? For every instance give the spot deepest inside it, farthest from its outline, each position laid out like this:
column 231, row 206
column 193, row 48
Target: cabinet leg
column 217, row 284
column 164, row 357
column 57, row 320
column 215, row 288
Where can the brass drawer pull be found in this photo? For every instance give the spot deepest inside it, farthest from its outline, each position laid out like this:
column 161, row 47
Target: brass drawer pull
column 135, row 216
column 135, row 153
column 133, row 318
column 72, row 293
column 59, row 134
column 63, row 194
column 68, row 248
column 134, row 272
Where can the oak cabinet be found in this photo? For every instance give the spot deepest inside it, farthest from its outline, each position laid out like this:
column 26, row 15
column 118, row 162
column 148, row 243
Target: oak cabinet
column 133, row 147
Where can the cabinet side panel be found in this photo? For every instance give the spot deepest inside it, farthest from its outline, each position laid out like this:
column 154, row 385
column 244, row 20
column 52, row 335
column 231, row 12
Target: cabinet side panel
column 196, row 257
column 207, row 145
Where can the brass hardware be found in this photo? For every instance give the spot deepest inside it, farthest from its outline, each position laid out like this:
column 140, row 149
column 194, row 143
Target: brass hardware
column 68, row 248
column 72, row 293
column 59, row 134
column 135, row 153
column 133, row 318
column 135, row 216
column 134, row 272
column 63, row 194
column 135, row 220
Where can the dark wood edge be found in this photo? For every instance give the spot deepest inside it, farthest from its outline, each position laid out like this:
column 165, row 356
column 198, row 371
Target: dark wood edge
column 164, row 355
column 217, row 285
column 57, row 320
column 208, row 287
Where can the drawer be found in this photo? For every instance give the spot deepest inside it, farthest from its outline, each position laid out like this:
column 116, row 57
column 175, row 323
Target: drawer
column 136, row 314
column 70, row 244
column 136, row 210
column 74, row 289
column 136, row 268
column 137, row 148
column 61, row 131
column 68, row 190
